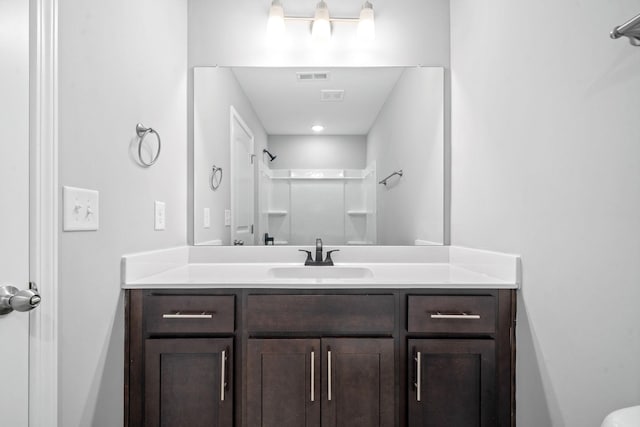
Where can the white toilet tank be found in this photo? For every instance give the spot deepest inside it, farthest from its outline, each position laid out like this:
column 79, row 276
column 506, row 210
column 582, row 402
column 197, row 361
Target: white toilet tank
column 627, row 417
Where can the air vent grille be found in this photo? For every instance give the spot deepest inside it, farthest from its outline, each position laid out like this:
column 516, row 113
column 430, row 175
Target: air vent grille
column 332, row 95
column 313, row 76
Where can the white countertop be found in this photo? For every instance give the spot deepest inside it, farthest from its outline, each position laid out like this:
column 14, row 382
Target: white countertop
column 191, row 267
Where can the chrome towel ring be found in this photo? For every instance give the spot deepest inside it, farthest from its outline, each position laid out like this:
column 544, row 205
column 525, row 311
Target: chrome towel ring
column 215, row 179
column 142, row 134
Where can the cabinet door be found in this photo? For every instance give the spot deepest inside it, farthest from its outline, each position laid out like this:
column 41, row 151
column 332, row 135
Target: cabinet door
column 188, row 382
column 452, row 383
column 358, row 388
column 283, row 383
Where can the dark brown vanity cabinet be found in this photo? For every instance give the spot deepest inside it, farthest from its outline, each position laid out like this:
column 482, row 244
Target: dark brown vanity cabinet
column 187, row 382
column 320, row 358
column 326, row 382
column 460, row 360
column 320, row 377
column 180, row 360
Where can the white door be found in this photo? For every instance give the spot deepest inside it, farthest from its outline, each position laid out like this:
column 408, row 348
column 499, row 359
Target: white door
column 14, row 206
column 242, row 177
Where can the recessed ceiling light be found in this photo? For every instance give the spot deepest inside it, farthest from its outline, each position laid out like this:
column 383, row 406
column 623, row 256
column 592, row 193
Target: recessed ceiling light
column 317, row 128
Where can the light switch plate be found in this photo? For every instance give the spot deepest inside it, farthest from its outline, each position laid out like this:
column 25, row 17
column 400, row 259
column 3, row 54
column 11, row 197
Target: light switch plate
column 227, row 217
column 207, row 218
column 81, row 209
column 160, row 215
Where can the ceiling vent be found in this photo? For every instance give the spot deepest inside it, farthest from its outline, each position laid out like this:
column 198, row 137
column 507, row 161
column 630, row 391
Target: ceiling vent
column 313, row 76
column 332, row 95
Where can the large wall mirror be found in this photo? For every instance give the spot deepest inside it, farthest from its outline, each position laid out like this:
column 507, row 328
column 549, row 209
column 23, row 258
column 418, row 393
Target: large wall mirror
column 354, row 156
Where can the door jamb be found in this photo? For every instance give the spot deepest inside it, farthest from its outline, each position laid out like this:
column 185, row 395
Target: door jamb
column 43, row 229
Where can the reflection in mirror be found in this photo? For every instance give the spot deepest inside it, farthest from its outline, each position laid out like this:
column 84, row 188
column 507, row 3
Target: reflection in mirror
column 351, row 155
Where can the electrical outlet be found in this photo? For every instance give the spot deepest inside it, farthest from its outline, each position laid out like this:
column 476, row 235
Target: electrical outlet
column 81, row 209
column 207, row 218
column 160, row 215
column 227, row 217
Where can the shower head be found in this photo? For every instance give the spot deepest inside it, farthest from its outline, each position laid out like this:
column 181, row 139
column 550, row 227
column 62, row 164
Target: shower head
column 271, row 156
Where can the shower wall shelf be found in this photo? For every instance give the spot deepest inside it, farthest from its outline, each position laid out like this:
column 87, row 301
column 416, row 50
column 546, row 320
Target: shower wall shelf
column 277, row 212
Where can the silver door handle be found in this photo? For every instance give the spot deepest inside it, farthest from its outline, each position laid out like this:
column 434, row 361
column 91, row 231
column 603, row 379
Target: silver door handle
column 313, row 375
column 418, row 383
column 11, row 298
column 329, row 375
column 223, row 374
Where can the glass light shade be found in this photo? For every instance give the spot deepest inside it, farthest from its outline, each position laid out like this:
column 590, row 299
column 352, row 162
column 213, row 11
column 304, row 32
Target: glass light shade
column 275, row 25
column 321, row 27
column 366, row 24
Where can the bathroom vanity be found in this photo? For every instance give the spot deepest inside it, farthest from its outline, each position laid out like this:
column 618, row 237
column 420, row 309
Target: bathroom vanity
column 280, row 344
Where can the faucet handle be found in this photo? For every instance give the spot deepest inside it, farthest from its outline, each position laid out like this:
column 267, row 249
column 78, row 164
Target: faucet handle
column 328, row 259
column 309, row 260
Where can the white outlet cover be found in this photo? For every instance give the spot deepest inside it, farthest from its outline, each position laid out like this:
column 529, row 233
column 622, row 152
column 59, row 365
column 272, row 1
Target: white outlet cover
column 160, row 222
column 227, row 217
column 80, row 209
column 207, row 218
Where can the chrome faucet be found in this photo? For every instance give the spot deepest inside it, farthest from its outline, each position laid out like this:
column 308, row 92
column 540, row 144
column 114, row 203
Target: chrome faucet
column 318, row 262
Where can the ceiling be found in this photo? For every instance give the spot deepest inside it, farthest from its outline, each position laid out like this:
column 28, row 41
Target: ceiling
column 287, row 106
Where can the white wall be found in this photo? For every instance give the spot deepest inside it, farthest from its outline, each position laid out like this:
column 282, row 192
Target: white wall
column 408, row 135
column 409, row 32
column 318, row 151
column 546, row 163
column 217, row 90
column 121, row 62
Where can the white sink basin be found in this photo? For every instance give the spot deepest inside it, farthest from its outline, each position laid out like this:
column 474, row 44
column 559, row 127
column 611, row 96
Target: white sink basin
column 326, row 272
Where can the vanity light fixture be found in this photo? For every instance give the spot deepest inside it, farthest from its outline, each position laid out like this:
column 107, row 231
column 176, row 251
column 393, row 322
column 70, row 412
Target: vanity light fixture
column 317, row 128
column 321, row 21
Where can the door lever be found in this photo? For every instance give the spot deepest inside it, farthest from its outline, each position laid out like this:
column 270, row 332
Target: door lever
column 11, row 298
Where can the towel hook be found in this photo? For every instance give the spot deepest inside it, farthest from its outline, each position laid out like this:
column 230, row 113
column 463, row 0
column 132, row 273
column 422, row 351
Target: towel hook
column 213, row 182
column 142, row 132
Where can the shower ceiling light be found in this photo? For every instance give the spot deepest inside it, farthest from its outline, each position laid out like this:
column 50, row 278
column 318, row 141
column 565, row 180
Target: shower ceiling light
column 317, row 128
column 321, row 21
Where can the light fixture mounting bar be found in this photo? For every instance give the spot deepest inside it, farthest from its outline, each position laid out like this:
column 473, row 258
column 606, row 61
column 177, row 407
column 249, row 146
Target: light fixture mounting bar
column 311, row 18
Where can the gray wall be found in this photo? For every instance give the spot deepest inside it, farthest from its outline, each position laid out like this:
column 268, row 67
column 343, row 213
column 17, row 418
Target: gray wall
column 217, row 91
column 408, row 135
column 546, row 163
column 120, row 62
column 318, row 151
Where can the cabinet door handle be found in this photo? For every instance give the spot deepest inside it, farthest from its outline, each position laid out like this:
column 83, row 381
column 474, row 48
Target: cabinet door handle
column 464, row 316
column 418, row 383
column 329, row 375
column 223, row 373
column 178, row 315
column 313, row 375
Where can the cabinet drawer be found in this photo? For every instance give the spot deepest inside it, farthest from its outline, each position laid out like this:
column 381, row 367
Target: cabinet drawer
column 189, row 313
column 452, row 314
column 321, row 313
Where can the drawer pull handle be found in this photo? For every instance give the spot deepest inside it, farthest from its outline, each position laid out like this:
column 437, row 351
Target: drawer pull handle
column 313, row 374
column 178, row 315
column 418, row 382
column 464, row 316
column 329, row 375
